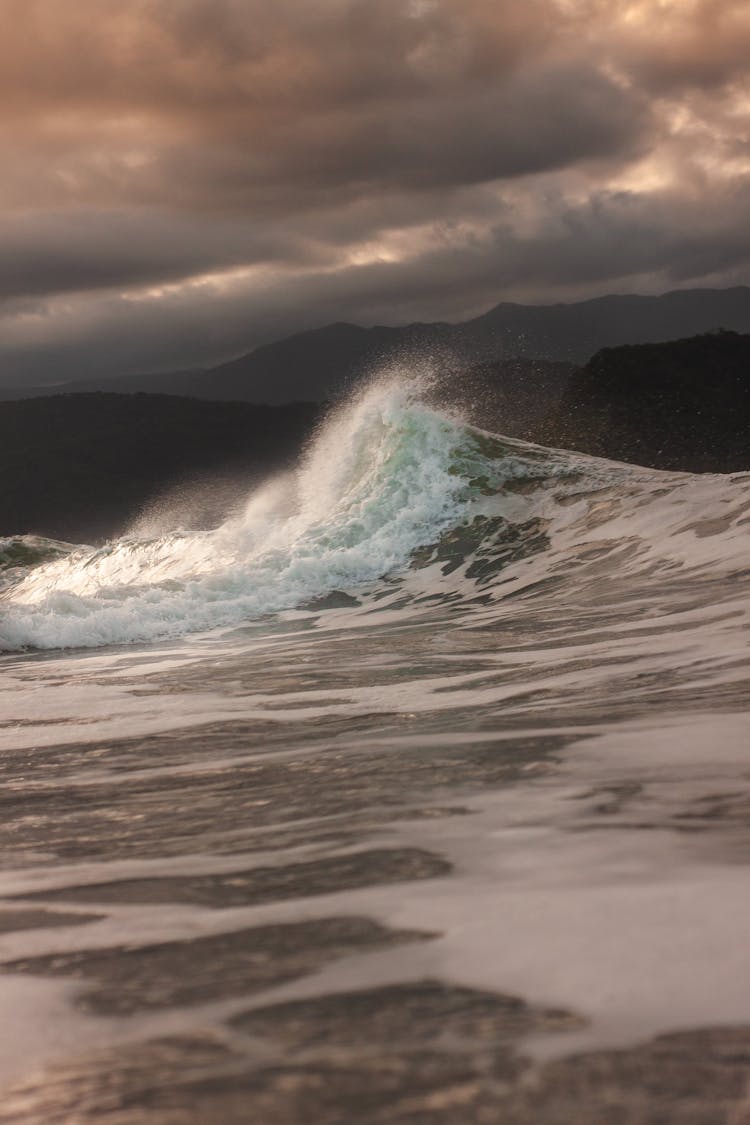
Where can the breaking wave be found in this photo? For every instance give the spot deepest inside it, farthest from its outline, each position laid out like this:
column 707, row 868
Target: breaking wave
column 389, row 487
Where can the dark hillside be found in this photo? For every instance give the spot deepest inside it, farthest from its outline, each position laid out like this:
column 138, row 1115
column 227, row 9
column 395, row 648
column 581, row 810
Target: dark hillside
column 81, row 467
column 315, row 365
column 679, row 405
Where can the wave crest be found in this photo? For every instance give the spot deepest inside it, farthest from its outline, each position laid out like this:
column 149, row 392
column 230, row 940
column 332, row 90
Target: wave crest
column 378, row 481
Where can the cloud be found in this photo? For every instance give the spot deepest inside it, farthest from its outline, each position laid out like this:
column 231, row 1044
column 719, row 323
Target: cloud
column 216, row 103
column 78, row 251
column 185, row 178
column 686, row 45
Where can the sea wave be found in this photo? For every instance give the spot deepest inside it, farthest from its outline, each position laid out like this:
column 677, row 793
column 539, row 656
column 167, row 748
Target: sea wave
column 389, row 487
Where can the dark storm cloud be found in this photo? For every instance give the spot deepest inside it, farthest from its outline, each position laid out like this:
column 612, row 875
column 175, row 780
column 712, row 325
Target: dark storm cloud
column 218, row 103
column 353, row 159
column 71, row 252
column 531, row 123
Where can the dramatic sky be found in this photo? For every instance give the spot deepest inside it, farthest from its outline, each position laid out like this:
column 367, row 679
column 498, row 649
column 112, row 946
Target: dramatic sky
column 184, row 179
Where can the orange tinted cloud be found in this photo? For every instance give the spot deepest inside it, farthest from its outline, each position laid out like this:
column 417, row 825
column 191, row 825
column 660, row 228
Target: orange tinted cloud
column 488, row 148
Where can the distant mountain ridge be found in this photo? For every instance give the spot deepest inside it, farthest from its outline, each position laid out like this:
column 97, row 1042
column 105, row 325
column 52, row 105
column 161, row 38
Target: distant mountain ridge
column 317, row 364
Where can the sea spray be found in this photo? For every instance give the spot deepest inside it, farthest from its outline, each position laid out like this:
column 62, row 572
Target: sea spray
column 378, row 481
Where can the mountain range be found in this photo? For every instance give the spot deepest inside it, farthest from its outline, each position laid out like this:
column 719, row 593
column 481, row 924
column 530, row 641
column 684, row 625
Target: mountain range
column 318, row 364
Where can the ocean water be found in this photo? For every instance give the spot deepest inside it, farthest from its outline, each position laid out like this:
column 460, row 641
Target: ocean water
column 418, row 790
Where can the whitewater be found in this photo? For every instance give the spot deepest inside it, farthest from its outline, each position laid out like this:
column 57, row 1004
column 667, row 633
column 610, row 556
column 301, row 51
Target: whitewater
column 417, row 789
